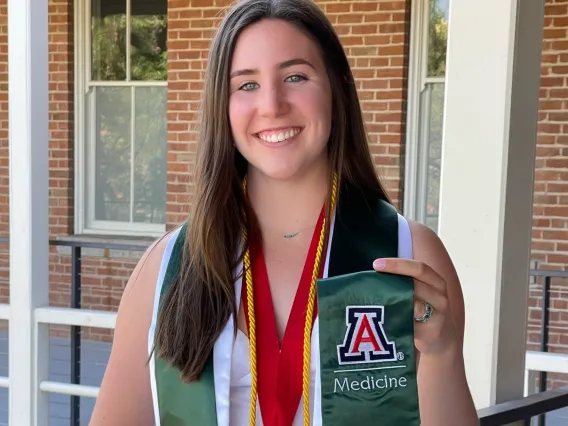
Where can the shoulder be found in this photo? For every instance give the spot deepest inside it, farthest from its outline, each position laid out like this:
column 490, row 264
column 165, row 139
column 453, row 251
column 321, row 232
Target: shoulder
column 137, row 302
column 146, row 274
column 427, row 247
column 426, row 242
column 125, row 393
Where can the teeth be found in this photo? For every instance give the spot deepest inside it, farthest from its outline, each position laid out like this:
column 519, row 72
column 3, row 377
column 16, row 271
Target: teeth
column 279, row 136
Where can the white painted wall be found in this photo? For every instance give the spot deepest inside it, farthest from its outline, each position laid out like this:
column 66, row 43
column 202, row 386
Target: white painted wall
column 491, row 107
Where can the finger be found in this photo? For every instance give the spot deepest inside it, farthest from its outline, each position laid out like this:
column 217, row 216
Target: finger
column 411, row 268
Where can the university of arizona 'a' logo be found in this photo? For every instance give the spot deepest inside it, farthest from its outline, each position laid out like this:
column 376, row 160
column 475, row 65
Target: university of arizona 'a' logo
column 365, row 339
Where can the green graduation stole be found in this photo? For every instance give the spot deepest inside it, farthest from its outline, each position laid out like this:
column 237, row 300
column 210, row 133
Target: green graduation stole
column 182, row 404
column 367, row 364
column 366, row 323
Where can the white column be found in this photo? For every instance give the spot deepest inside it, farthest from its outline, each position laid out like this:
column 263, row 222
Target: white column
column 488, row 159
column 29, row 209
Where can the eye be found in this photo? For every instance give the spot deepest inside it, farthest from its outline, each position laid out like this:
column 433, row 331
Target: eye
column 296, row 78
column 248, row 86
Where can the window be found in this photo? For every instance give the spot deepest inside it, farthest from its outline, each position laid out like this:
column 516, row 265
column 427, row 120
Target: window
column 121, row 59
column 426, row 110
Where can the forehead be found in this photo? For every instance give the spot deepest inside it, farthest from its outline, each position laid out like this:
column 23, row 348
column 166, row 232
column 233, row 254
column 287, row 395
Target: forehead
column 273, row 41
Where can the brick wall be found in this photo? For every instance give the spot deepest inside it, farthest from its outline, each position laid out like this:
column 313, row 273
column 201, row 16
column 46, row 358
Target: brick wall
column 550, row 224
column 375, row 36
column 61, row 116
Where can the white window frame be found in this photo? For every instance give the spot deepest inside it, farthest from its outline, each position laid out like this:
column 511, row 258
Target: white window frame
column 416, row 158
column 84, row 191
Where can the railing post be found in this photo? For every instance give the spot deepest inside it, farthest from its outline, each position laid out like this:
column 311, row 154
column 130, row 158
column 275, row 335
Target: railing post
column 29, row 208
column 75, row 333
column 544, row 332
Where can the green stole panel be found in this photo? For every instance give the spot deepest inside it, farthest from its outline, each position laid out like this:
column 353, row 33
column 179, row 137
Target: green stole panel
column 183, row 404
column 366, row 325
column 365, row 228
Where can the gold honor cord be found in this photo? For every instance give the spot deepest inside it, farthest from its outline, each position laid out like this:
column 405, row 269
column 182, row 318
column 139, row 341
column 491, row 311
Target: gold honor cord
column 308, row 323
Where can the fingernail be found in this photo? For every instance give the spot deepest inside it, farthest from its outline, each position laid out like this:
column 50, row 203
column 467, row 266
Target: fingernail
column 379, row 263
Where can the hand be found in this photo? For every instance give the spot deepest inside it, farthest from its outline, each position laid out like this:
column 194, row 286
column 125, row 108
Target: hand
column 438, row 334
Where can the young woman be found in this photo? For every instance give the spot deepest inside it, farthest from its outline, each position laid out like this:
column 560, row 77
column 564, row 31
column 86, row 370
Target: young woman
column 284, row 180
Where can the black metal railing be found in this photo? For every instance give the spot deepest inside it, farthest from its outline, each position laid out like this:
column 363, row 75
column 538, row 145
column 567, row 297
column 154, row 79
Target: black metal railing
column 545, row 401
column 77, row 247
column 546, row 276
column 75, row 331
column 525, row 408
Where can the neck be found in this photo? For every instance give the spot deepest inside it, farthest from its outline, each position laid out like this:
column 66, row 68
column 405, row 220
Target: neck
column 288, row 206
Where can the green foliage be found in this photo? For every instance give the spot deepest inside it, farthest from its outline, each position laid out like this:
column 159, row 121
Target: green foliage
column 437, row 41
column 118, row 163
column 148, row 48
column 149, row 55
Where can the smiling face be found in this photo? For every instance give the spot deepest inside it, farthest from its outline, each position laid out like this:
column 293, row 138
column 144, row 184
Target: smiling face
column 280, row 101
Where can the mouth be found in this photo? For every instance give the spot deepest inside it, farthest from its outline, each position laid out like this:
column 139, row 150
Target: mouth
column 279, row 135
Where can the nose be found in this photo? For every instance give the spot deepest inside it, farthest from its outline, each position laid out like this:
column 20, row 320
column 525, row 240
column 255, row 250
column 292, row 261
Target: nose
column 273, row 102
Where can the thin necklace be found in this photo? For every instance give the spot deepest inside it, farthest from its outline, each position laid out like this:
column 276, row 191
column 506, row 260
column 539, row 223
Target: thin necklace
column 293, row 234
column 296, row 233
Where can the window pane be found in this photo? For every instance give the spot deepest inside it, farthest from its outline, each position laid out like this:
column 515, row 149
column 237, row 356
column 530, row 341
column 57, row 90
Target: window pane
column 150, row 155
column 437, row 38
column 112, row 162
column 108, row 40
column 435, row 94
column 149, row 40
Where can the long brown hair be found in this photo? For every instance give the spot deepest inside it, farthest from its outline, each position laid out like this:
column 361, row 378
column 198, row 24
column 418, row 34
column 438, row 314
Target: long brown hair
column 198, row 304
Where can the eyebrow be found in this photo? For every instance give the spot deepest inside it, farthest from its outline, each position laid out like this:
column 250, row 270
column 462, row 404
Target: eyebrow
column 281, row 65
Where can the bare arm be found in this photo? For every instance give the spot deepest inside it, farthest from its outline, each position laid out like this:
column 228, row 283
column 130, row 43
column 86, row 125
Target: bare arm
column 125, row 397
column 445, row 398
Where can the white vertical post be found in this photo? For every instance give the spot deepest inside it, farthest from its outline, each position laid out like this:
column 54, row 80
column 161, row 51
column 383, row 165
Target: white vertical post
column 29, row 207
column 488, row 159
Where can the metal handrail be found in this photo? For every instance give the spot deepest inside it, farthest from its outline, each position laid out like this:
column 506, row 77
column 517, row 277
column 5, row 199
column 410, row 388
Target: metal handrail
column 63, row 242
column 75, row 317
column 546, row 276
column 524, row 409
column 75, row 344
